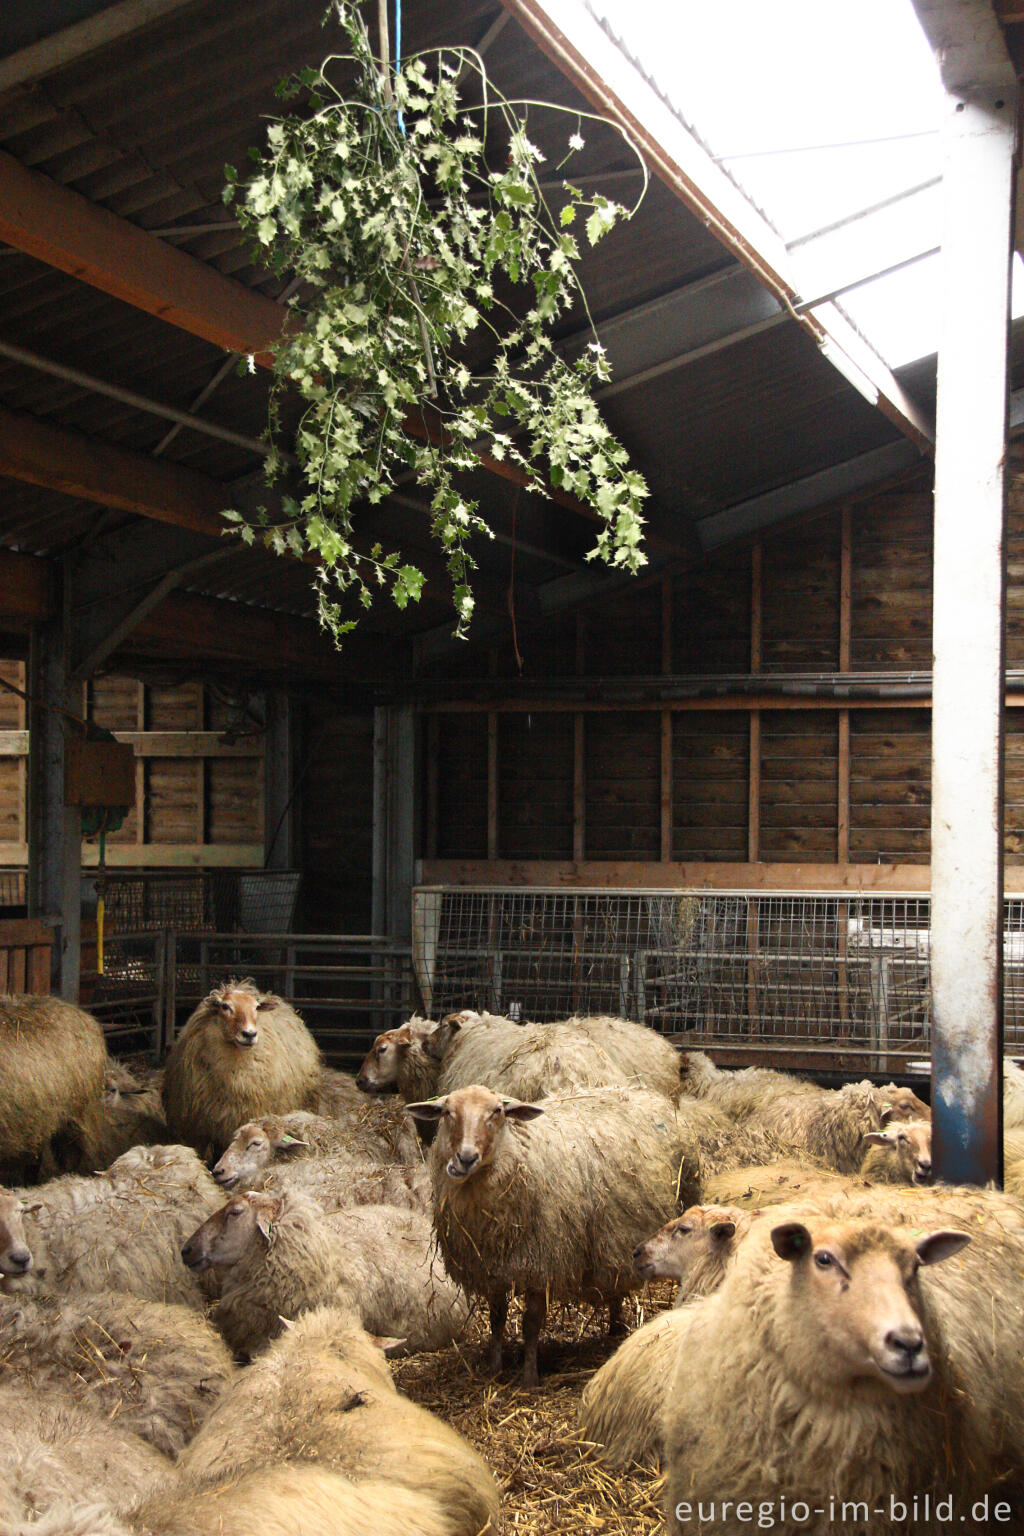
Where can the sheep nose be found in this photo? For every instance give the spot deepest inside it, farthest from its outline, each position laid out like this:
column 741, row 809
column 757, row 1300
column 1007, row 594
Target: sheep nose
column 247, row 1036
column 908, row 1340
column 19, row 1259
column 638, row 1251
column 221, row 1176
column 362, row 1083
column 924, row 1168
column 468, row 1158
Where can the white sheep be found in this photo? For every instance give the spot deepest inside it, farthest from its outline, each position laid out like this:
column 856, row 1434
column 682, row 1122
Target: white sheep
column 155, row 1369
column 279, row 1140
column 121, row 1230
column 530, row 1061
column 620, row 1410
column 550, row 1200
column 1013, row 1095
column 901, row 1154
column 15, row 1254
column 279, row 1255
column 273, row 1501
column 323, row 1392
column 50, row 1444
column 778, row 1182
column 243, row 1053
column 337, row 1184
column 855, row 1380
column 52, row 1060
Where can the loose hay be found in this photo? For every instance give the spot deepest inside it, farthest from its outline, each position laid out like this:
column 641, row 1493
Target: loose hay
column 551, row 1482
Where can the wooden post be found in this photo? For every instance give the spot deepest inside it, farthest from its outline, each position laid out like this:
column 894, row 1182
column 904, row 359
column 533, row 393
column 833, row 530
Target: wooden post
column 433, row 746
column 280, row 815
column 579, row 756
column 754, row 775
column 967, row 730
column 666, row 724
column 54, row 829
column 492, row 784
column 843, row 786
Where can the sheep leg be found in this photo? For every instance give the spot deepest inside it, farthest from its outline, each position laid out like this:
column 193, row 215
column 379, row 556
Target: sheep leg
column 498, row 1308
column 534, row 1315
column 616, row 1327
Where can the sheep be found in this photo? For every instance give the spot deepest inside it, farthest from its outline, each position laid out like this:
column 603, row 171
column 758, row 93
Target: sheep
column 15, row 1254
column 621, row 1406
column 52, row 1061
column 553, row 1208
column 127, row 1114
column 280, row 1139
column 157, row 1370
column 337, row 1184
column 121, row 1230
column 823, row 1344
column 529, row 1060
column 1013, row 1162
column 337, row 1094
column 243, row 1053
column 323, row 1391
column 902, row 1154
column 801, row 1117
column 694, row 1249
column 279, row 1255
column 49, row 1443
column 620, row 1410
column 273, row 1501
column 1013, row 1095
column 755, row 1186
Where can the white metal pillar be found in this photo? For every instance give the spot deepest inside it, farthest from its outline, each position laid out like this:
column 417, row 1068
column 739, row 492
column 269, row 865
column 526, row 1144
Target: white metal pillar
column 967, row 721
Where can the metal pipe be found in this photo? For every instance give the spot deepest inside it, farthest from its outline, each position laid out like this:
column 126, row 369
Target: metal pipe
column 129, row 397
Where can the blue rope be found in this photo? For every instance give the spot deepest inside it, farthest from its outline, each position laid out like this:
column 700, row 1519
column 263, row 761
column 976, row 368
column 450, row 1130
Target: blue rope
column 398, row 57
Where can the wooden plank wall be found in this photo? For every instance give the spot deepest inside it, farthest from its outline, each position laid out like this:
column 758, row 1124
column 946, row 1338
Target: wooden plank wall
column 201, row 803
column 741, row 781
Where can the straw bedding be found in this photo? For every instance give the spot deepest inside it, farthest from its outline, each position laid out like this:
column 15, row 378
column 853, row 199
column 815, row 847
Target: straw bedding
column 551, row 1481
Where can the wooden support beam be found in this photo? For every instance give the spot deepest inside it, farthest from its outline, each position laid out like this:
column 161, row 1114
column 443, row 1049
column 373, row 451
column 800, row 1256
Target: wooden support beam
column 65, row 230
column 754, row 738
column 81, row 38
column 492, row 786
column 157, row 855
column 843, row 768
column 60, row 459
column 667, row 795
column 824, row 879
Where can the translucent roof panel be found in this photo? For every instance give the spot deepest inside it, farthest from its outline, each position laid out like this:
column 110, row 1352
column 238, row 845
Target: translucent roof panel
column 828, row 116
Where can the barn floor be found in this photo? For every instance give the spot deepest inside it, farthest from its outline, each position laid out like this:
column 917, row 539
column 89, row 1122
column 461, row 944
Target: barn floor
column 551, row 1482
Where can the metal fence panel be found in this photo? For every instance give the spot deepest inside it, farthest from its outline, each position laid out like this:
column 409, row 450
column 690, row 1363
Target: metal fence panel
column 833, row 974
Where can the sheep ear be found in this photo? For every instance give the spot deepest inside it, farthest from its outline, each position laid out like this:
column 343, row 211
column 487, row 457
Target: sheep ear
column 515, row 1110
column 288, row 1140
column 266, row 1215
column 941, row 1245
column 791, row 1241
column 437, row 1042
column 723, row 1229
column 878, row 1139
column 390, row 1347
column 266, row 1004
column 428, row 1112
column 286, row 1323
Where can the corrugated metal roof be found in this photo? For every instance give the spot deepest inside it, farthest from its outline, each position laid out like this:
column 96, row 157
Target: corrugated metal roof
column 144, row 127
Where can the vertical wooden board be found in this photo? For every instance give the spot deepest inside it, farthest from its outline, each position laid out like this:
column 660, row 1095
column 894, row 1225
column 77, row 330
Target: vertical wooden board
column 629, row 635
column 800, row 598
column 462, row 787
column 710, row 788
column 890, row 786
column 234, row 801
column 799, row 785
column 711, row 616
column 891, row 581
column 337, row 822
column 172, row 800
column 175, row 708
column 12, row 708
column 535, row 786
column 623, row 779
column 1015, row 569
column 10, row 799
column 112, row 702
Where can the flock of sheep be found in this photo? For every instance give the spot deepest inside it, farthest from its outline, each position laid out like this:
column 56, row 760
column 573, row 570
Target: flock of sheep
column 194, row 1339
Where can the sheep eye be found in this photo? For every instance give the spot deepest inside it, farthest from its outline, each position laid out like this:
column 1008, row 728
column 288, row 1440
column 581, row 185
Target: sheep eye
column 902, row 1139
column 253, row 1146
column 449, row 1114
column 823, row 1260
column 684, row 1231
column 235, row 1210
column 495, row 1113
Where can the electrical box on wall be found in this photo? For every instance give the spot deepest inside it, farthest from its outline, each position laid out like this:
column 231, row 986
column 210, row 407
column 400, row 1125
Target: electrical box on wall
column 99, row 773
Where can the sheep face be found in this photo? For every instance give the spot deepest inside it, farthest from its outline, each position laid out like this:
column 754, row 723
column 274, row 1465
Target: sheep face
column 253, row 1148
column 15, row 1258
column 228, row 1235
column 379, row 1071
column 473, row 1121
column 851, row 1308
column 238, row 1009
column 911, row 1141
column 902, row 1104
column 674, row 1247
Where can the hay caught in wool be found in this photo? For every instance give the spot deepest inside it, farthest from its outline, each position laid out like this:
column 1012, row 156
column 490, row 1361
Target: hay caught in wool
column 550, row 1479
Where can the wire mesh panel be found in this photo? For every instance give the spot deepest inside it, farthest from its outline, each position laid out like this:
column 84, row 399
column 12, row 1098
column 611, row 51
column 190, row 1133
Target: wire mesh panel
column 129, row 997
column 832, row 973
column 209, row 900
